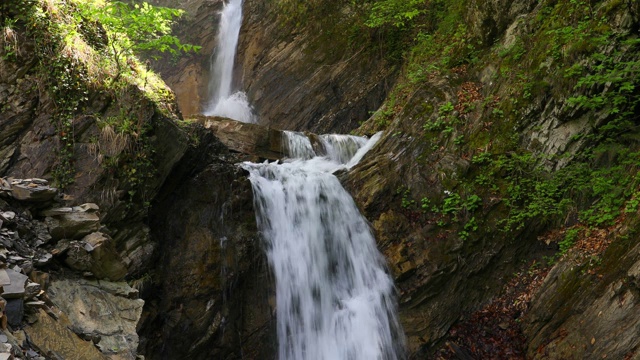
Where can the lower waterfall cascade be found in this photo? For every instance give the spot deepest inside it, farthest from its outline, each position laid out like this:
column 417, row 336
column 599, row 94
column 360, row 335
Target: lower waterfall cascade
column 334, row 298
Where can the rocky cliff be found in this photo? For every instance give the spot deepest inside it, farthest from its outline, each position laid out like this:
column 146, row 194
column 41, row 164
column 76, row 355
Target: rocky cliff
column 503, row 192
column 295, row 79
column 92, row 154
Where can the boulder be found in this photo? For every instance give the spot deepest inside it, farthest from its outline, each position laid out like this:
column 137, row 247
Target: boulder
column 31, row 290
column 15, row 312
column 16, row 286
column 72, row 223
column 106, row 262
column 52, row 336
column 250, row 139
column 77, row 257
column 95, row 253
column 35, row 190
column 101, row 310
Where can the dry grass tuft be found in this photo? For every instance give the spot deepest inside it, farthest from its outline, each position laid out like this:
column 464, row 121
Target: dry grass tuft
column 9, row 40
column 112, row 143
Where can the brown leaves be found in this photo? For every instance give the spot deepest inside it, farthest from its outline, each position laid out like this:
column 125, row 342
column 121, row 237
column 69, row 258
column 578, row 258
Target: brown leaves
column 468, row 93
column 494, row 331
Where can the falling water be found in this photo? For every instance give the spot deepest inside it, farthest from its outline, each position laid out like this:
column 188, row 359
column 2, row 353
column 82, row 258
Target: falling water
column 334, row 298
column 297, row 145
column 222, row 100
column 341, row 148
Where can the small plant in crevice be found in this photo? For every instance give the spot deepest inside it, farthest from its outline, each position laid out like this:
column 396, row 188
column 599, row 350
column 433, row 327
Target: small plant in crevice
column 406, row 201
column 125, row 138
column 469, row 227
column 568, row 241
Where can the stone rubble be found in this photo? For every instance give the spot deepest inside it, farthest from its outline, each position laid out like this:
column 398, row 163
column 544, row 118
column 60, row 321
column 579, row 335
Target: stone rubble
column 34, row 190
column 45, row 251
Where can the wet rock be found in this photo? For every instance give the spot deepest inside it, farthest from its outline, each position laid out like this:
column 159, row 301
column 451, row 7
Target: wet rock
column 72, row 223
column 204, row 327
column 95, row 310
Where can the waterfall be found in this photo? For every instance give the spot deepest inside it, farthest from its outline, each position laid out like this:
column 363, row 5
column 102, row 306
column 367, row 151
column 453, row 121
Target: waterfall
column 223, row 101
column 335, row 301
column 297, row 145
column 342, row 148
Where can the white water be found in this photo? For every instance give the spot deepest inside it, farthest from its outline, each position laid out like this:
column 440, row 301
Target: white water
column 297, row 145
column 342, row 149
column 223, row 101
column 334, row 298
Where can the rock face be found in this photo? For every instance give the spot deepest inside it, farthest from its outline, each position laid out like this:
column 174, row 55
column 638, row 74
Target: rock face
column 291, row 80
column 300, row 81
column 61, row 312
column 186, row 236
column 35, row 190
column 53, row 338
column 95, row 253
column 189, row 77
column 103, row 312
column 72, row 222
column 13, row 283
column 588, row 317
column 213, row 289
column 438, row 274
column 31, row 148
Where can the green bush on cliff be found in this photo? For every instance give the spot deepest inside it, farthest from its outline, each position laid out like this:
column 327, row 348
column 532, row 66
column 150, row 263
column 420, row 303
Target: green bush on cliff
column 135, row 29
column 86, row 49
column 396, row 13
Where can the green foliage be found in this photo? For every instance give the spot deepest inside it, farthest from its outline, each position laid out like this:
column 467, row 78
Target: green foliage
column 574, row 53
column 406, row 201
column 397, row 13
column 470, row 227
column 615, row 82
column 531, row 193
column 82, row 47
column 473, row 202
column 570, row 238
column 443, row 41
column 133, row 29
column 452, row 204
column 445, row 117
column 425, row 204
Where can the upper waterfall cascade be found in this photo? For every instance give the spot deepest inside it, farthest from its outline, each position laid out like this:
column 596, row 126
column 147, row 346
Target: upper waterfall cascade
column 223, row 100
column 335, row 301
